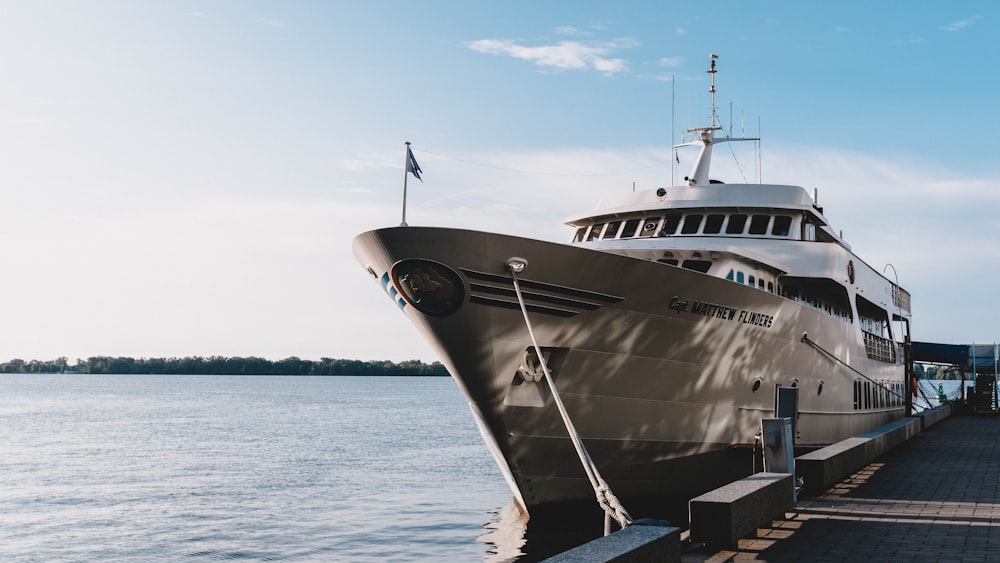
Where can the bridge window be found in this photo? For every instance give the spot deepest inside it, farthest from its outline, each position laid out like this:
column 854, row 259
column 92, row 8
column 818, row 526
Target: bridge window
column 630, row 227
column 612, row 229
column 670, row 224
column 736, row 224
column 758, row 224
column 595, row 231
column 782, row 223
column 713, row 224
column 691, row 224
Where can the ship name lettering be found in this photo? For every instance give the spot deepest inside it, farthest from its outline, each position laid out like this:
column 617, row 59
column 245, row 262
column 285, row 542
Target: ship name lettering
column 756, row 319
column 713, row 310
column 678, row 304
column 723, row 312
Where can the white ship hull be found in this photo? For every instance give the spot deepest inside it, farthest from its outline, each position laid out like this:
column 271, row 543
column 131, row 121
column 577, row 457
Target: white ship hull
column 663, row 370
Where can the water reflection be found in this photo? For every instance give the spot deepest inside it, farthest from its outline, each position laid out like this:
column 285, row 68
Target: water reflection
column 505, row 537
column 549, row 532
column 555, row 529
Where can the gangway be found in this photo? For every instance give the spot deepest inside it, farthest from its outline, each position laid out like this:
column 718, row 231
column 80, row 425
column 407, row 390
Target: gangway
column 979, row 359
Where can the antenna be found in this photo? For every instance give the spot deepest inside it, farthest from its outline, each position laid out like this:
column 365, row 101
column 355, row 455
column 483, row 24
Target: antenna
column 673, row 97
column 760, row 155
column 712, row 89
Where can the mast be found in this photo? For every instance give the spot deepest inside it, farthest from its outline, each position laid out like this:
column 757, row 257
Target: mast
column 706, row 138
column 711, row 90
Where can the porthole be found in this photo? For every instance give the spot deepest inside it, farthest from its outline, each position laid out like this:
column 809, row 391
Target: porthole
column 756, row 385
column 819, row 391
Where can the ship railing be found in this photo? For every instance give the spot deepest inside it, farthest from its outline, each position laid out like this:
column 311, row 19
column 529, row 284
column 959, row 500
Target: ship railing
column 879, row 348
column 900, row 298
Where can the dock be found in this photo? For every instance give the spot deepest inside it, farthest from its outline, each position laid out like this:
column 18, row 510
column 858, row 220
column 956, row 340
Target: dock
column 935, row 497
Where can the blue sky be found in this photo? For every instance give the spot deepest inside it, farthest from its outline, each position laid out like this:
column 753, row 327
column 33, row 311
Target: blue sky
column 185, row 178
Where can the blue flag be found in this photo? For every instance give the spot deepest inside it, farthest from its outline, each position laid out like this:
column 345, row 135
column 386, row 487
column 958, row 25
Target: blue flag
column 411, row 164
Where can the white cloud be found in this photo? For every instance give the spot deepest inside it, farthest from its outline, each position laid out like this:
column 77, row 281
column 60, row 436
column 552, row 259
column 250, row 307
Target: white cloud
column 670, row 61
column 567, row 30
column 961, row 24
column 566, row 55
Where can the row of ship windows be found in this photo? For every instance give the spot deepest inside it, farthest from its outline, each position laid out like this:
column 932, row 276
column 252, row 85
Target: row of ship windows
column 874, row 326
column 793, row 294
column 759, row 283
column 871, row 395
column 688, row 224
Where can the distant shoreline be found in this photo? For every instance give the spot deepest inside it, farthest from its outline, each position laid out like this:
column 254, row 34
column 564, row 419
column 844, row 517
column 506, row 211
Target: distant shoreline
column 219, row 365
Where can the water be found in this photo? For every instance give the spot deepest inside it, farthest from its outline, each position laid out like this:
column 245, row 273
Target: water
column 97, row 468
column 929, row 389
column 157, row 468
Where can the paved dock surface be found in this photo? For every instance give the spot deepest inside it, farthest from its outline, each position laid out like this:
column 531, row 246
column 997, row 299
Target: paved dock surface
column 934, row 498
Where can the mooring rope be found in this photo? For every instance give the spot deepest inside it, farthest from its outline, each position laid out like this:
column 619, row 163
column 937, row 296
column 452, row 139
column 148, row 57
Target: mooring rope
column 605, row 497
column 814, row 344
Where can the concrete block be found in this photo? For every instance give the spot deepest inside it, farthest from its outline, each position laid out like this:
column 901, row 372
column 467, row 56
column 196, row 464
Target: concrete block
column 933, row 416
column 885, row 438
column 636, row 543
column 823, row 468
column 722, row 517
column 826, row 467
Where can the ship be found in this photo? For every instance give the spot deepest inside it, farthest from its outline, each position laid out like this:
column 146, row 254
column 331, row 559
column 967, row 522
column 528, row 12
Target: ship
column 670, row 324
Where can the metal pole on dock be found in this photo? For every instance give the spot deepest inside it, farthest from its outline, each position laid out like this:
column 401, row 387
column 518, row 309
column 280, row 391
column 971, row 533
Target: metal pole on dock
column 996, row 402
column 910, row 376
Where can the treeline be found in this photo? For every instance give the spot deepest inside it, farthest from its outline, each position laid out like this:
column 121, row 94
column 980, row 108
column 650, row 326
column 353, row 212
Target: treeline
column 218, row 365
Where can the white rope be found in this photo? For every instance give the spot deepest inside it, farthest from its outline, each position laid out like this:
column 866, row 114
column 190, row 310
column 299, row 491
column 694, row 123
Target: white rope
column 605, row 498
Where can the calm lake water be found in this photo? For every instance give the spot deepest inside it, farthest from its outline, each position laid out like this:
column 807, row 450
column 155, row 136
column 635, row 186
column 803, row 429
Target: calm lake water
column 162, row 468
column 139, row 467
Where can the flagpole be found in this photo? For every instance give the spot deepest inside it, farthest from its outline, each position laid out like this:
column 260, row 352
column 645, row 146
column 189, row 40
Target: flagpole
column 406, row 163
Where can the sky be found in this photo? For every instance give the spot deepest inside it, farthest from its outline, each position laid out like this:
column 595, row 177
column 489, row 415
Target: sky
column 185, row 178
